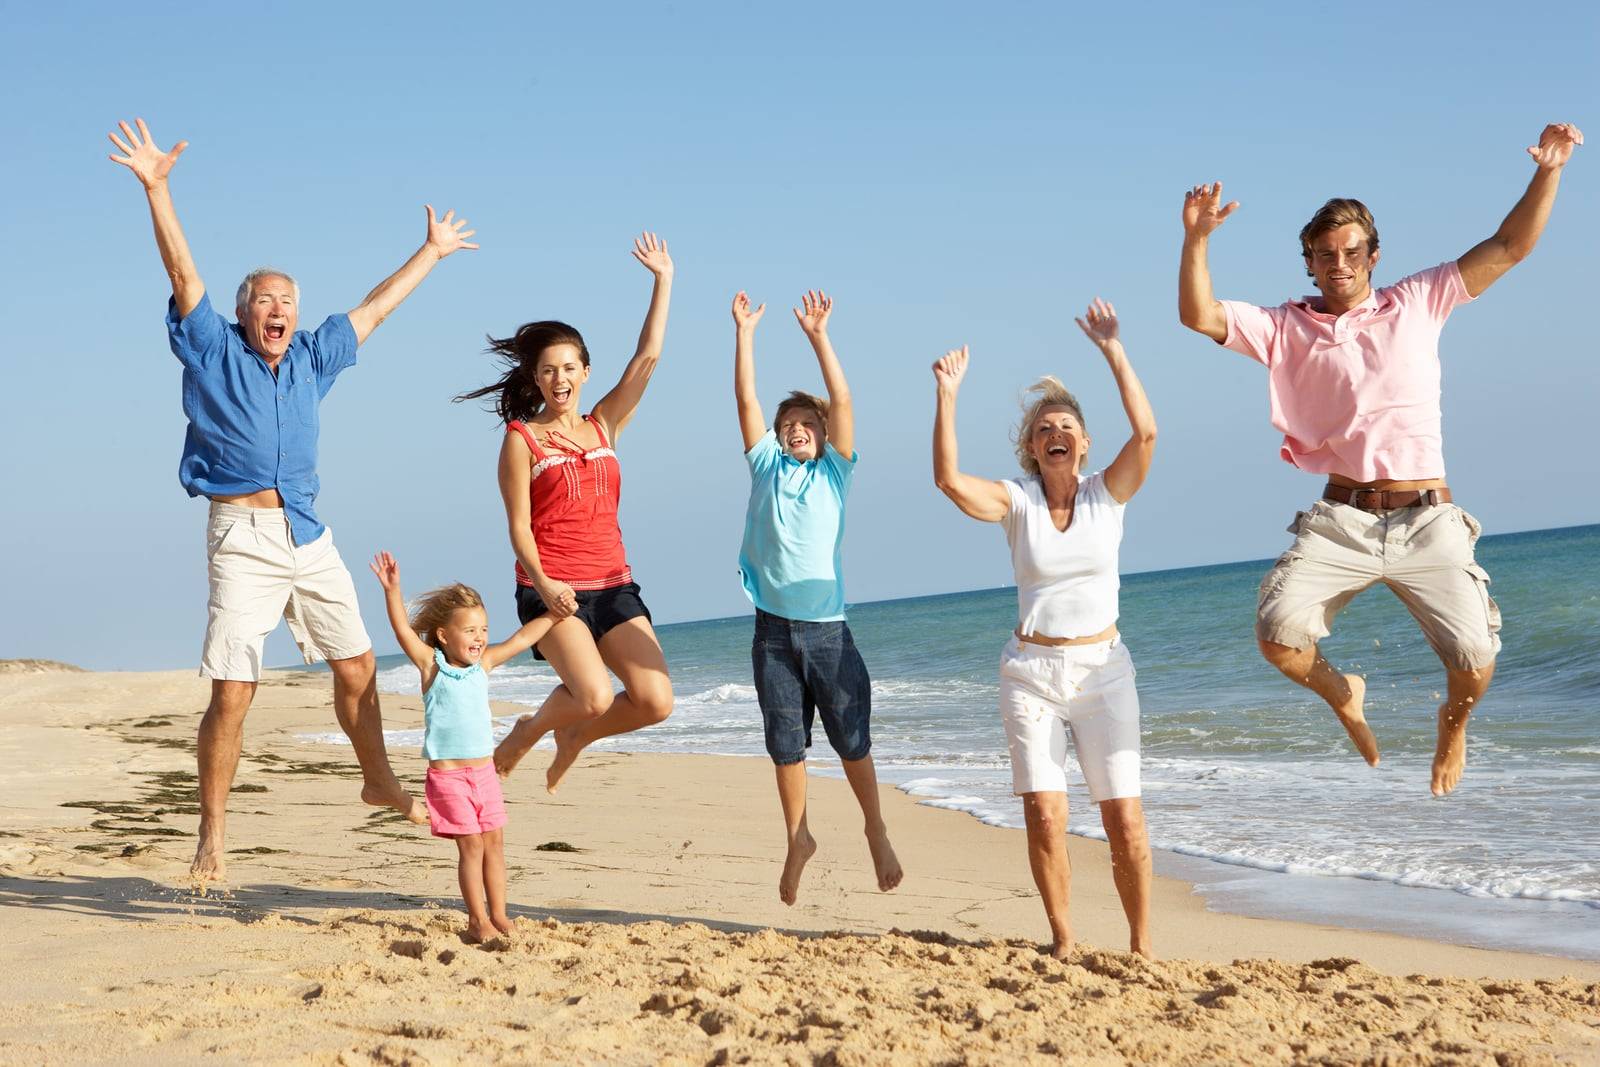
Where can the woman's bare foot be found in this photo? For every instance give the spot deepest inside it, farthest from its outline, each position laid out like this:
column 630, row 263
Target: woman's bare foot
column 884, row 862
column 567, row 749
column 1352, row 716
column 516, row 744
column 398, row 799
column 801, row 849
column 1450, row 757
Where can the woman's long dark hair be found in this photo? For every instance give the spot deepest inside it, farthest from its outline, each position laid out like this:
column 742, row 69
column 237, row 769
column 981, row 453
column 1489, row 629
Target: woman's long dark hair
column 516, row 395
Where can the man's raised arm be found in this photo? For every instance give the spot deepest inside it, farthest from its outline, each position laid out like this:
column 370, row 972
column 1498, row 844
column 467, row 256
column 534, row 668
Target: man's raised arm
column 1486, row 261
column 1203, row 212
column 444, row 236
column 151, row 166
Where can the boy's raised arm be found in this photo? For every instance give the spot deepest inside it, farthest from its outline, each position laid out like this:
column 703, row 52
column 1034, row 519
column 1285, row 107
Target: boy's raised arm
column 813, row 319
column 752, row 424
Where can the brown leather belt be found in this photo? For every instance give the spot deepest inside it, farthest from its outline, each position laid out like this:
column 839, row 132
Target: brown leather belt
column 1384, row 499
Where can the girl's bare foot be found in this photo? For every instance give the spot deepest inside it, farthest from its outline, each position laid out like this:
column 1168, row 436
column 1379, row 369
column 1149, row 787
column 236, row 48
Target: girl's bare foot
column 1353, row 717
column 884, row 862
column 523, row 736
column 801, row 849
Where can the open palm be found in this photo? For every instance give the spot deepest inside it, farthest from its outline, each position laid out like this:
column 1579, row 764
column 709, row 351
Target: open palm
column 813, row 314
column 1203, row 209
column 652, row 252
column 139, row 154
column 446, row 235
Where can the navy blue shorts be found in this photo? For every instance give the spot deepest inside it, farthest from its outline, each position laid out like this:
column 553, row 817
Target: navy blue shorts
column 601, row 610
column 806, row 667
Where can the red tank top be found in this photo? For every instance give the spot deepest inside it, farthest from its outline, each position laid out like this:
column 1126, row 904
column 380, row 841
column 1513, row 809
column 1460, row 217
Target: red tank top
column 574, row 495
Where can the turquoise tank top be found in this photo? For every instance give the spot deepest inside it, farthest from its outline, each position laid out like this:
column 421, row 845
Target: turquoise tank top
column 456, row 723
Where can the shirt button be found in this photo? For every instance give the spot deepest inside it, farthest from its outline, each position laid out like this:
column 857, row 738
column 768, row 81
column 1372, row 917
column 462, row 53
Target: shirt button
column 282, row 455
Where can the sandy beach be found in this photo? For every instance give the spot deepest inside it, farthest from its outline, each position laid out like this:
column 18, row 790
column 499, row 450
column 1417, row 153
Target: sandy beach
column 649, row 928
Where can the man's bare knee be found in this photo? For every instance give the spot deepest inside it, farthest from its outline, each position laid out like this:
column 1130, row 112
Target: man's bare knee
column 1286, row 658
column 357, row 672
column 230, row 700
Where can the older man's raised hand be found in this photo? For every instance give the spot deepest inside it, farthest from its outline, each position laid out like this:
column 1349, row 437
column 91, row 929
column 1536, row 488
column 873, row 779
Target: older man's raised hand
column 139, row 154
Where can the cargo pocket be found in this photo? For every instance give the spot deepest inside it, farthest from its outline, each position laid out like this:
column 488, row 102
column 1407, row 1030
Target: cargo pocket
column 1480, row 581
column 1272, row 582
column 1474, row 530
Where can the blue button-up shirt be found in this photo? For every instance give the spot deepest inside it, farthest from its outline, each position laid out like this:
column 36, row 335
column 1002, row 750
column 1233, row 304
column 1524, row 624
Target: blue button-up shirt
column 250, row 429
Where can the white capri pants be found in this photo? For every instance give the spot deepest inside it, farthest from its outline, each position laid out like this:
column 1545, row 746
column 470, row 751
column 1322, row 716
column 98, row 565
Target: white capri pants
column 1088, row 690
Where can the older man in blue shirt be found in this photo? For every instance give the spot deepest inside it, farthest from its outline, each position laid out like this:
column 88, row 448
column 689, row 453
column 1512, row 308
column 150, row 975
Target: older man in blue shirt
column 251, row 391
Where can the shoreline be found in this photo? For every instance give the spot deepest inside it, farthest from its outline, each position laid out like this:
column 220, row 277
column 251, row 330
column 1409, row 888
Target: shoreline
column 339, row 929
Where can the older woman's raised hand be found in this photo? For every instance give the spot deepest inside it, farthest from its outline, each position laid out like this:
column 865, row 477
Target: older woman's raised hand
column 1099, row 323
column 950, row 368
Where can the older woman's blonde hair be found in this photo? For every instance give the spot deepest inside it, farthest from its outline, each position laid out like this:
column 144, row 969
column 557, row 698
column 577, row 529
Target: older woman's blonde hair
column 433, row 609
column 1049, row 392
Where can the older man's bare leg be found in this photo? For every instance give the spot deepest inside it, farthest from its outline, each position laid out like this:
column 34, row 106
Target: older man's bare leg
column 1465, row 689
column 1345, row 693
column 221, row 738
column 355, row 702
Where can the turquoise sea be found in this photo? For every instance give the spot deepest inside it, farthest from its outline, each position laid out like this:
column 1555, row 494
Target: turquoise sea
column 1252, row 791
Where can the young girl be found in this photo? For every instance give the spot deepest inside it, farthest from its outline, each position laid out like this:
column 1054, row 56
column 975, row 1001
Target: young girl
column 447, row 638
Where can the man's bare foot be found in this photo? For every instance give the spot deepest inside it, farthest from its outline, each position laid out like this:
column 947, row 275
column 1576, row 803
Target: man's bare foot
column 397, row 798
column 1354, row 719
column 884, row 862
column 801, row 849
column 1061, row 947
column 567, row 749
column 1450, row 758
column 477, row 932
column 208, row 865
column 516, row 744
column 504, row 923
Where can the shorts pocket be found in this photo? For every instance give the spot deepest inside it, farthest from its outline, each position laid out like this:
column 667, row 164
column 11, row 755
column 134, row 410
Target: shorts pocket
column 218, row 534
column 1474, row 531
column 1480, row 580
column 1272, row 582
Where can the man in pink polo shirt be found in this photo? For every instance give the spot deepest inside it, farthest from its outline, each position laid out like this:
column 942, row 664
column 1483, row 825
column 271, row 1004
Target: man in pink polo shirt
column 1353, row 383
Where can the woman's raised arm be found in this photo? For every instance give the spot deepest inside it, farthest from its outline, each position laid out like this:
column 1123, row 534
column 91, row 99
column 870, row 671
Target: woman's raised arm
column 982, row 498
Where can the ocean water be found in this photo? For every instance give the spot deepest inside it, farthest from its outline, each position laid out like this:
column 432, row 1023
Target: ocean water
column 1251, row 789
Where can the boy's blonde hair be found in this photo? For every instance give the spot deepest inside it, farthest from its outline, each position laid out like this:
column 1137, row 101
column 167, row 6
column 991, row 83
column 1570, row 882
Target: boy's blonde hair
column 1052, row 394
column 800, row 399
column 433, row 609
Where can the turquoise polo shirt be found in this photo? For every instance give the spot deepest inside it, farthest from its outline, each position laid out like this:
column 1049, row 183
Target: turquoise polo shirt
column 793, row 532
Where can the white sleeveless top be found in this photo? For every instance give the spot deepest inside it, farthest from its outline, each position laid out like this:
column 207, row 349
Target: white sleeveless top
column 1066, row 582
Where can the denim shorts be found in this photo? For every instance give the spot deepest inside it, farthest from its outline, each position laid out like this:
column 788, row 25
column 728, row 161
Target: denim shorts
column 601, row 610
column 805, row 667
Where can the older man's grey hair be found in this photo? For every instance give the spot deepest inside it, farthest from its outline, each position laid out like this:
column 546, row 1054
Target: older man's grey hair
column 247, row 287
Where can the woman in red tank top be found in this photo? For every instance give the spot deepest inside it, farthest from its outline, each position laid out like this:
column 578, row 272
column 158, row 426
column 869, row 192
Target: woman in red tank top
column 561, row 483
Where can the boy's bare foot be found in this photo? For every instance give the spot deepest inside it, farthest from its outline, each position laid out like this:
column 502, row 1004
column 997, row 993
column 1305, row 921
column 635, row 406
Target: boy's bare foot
column 567, row 749
column 1353, row 717
column 801, row 849
column 884, row 861
column 208, row 865
column 397, row 798
column 1450, row 757
column 516, row 744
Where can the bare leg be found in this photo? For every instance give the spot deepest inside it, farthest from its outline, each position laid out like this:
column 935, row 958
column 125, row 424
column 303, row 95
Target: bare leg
column 355, row 702
column 1046, row 818
column 584, row 693
column 1130, row 866
column 863, row 778
column 1345, row 693
column 1466, row 688
column 220, row 742
column 802, row 846
column 469, row 872
column 494, row 879
column 633, row 654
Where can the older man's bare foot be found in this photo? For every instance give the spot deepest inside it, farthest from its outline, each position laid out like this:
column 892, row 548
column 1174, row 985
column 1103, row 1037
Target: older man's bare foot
column 1450, row 758
column 397, row 798
column 801, row 848
column 567, row 749
column 884, row 862
column 1352, row 715
column 516, row 744
column 208, row 865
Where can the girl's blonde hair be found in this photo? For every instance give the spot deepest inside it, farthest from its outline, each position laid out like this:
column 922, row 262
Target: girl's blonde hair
column 1051, row 394
column 433, row 609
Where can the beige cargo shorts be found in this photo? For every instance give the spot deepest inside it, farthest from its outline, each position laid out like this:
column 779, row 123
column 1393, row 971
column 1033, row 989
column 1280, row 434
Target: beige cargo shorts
column 1423, row 553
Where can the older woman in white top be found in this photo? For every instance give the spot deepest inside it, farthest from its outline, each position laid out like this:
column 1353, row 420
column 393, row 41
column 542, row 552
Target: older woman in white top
column 1065, row 669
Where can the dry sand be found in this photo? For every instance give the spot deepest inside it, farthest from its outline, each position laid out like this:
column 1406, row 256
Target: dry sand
column 338, row 941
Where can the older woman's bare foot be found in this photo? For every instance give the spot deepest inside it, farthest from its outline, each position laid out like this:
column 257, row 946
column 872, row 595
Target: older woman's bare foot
column 801, row 848
column 1450, row 757
column 516, row 744
column 397, row 798
column 884, row 862
column 1352, row 715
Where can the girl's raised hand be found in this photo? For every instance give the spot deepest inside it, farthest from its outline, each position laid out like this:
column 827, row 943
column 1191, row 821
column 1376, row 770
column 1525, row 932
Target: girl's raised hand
column 950, row 368
column 743, row 316
column 387, row 570
column 817, row 306
column 652, row 252
column 1099, row 323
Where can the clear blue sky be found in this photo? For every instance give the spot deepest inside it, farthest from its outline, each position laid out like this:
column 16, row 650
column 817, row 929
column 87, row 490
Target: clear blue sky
column 951, row 173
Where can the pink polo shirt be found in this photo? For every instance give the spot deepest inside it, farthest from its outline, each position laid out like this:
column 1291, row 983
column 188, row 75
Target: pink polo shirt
column 1356, row 394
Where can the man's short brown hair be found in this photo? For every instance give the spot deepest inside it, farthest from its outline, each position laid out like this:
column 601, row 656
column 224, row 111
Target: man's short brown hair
column 800, row 399
column 1340, row 211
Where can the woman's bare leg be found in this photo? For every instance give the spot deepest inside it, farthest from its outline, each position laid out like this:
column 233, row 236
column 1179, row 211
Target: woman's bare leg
column 633, row 654
column 1130, row 866
column 584, row 692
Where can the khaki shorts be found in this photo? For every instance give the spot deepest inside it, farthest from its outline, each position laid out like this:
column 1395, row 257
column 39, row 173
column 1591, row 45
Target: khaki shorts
column 1424, row 554
column 257, row 576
